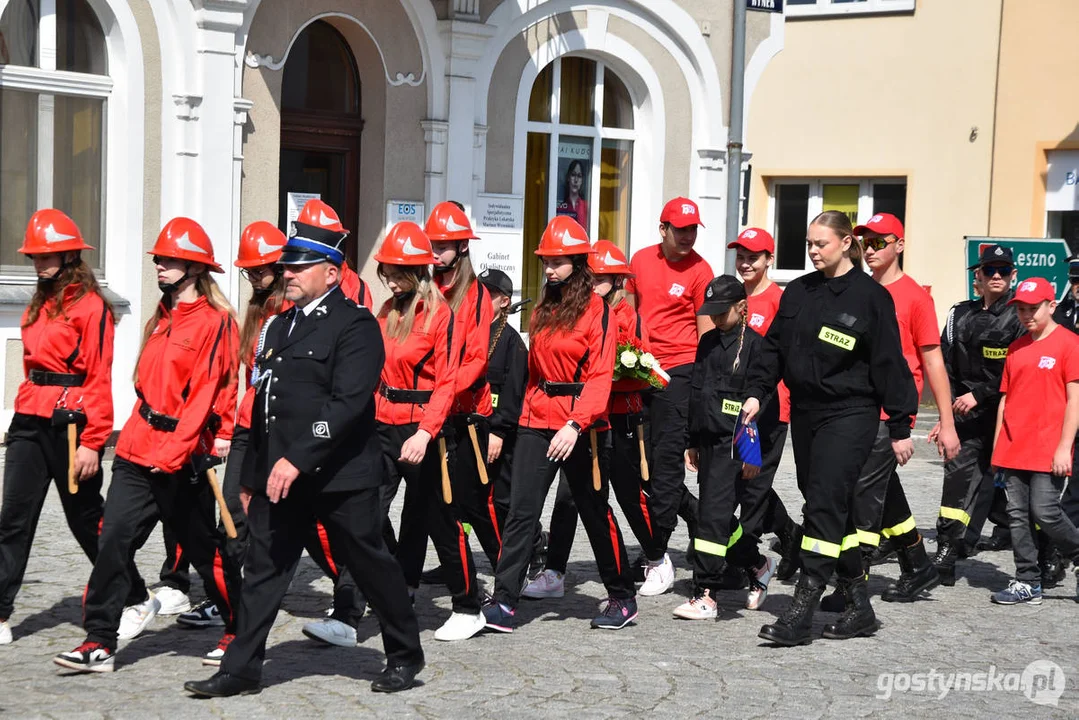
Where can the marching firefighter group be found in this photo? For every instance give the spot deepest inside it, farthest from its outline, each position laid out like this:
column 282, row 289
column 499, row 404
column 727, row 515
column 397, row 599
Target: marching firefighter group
column 324, row 405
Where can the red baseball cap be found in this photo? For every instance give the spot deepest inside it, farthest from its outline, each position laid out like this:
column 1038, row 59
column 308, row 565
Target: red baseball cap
column 755, row 240
column 681, row 212
column 1033, row 291
column 881, row 224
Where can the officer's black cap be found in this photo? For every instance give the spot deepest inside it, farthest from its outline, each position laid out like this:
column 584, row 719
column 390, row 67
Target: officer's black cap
column 497, row 280
column 1073, row 268
column 723, row 292
column 994, row 255
column 310, row 244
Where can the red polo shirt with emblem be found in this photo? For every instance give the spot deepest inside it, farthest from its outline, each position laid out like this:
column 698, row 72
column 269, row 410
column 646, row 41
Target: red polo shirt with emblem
column 762, row 311
column 668, row 296
column 1034, row 384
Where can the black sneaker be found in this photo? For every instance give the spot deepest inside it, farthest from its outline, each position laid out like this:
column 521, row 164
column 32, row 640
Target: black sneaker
column 617, row 614
column 498, row 618
column 88, row 657
column 203, row 615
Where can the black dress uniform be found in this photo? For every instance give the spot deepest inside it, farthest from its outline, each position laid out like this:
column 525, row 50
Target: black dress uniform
column 315, row 407
column 507, row 372
column 835, row 342
column 975, row 344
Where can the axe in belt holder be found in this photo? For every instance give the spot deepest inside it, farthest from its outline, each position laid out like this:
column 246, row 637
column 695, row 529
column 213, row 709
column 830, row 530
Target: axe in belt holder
column 640, row 445
column 597, row 481
column 481, row 463
column 443, row 456
column 72, row 419
column 206, row 463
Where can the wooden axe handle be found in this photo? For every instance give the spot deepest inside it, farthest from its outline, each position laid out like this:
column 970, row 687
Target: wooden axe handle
column 644, row 458
column 443, row 456
column 480, row 461
column 597, row 481
column 226, row 516
column 72, row 443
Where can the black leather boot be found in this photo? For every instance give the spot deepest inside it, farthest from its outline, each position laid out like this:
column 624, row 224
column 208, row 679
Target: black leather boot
column 882, row 553
column 837, row 601
column 790, row 545
column 916, row 575
column 1053, row 565
column 858, row 620
column 947, row 553
column 795, row 625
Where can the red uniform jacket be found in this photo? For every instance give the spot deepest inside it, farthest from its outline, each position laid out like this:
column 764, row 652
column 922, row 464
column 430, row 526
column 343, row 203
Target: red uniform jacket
column 354, row 288
column 425, row 361
column 472, row 336
column 79, row 342
column 626, row 394
column 185, row 364
column 585, row 354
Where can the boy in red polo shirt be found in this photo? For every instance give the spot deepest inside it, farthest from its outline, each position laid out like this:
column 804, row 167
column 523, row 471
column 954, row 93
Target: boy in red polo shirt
column 1036, row 425
column 668, row 287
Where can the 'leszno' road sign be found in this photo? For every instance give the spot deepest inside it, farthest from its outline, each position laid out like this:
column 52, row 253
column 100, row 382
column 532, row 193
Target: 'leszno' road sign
column 1034, row 257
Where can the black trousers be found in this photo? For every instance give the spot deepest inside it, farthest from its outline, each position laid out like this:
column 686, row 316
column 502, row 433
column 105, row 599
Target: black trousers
column 36, row 457
column 501, row 473
column 230, row 489
column 830, row 449
column 1069, row 501
column 721, row 538
column 532, row 477
column 425, row 513
column 880, row 504
column 668, row 414
column 175, row 569
column 276, row 537
column 628, row 486
column 965, row 481
column 473, row 500
column 137, row 499
column 760, row 509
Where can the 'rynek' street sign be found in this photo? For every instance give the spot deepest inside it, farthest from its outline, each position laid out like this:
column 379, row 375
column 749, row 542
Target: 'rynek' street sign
column 775, row 6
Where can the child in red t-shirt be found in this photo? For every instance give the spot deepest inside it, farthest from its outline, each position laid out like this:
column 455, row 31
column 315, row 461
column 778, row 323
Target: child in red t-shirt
column 1036, row 425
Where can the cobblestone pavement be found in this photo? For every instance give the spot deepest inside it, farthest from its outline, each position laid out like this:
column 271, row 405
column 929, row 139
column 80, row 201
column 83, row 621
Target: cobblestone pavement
column 555, row 666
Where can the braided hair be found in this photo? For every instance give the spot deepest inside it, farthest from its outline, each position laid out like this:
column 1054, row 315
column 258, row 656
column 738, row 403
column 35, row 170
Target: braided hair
column 743, row 307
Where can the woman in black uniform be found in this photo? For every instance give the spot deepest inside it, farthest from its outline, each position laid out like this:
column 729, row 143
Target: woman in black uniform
column 835, row 342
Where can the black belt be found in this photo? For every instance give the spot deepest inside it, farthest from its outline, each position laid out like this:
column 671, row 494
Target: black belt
column 400, row 395
column 44, row 377
column 156, row 420
column 561, row 389
column 478, row 385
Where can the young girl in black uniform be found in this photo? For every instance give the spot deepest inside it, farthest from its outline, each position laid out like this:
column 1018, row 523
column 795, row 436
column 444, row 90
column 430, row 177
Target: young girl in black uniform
column 716, row 388
column 835, row 342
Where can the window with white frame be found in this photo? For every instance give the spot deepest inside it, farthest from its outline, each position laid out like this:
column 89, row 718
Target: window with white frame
column 796, row 201
column 54, row 88
column 579, row 156
column 797, row 8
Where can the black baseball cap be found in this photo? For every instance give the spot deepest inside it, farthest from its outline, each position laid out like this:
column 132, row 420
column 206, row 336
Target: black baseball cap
column 497, row 280
column 994, row 255
column 723, row 292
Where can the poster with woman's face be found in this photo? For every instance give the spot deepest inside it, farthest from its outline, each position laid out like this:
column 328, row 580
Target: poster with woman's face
column 574, row 165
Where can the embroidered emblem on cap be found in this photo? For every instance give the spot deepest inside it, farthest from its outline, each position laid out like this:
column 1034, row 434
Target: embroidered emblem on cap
column 999, row 251
column 321, row 429
column 709, row 293
column 876, row 218
column 749, row 234
column 688, row 209
column 1028, row 286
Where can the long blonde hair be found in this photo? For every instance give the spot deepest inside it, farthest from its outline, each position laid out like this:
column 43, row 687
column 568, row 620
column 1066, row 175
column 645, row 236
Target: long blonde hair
column 207, row 287
column 462, row 281
column 401, row 316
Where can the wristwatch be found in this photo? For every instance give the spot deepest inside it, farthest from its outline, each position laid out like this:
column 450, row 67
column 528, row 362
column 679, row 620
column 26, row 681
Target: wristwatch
column 574, row 425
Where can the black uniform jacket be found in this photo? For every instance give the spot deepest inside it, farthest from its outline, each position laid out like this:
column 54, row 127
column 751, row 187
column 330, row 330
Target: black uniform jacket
column 717, row 389
column 1067, row 313
column 975, row 344
column 835, row 342
column 507, row 372
column 315, row 403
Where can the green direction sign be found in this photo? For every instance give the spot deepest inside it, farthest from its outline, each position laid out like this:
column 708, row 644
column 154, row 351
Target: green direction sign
column 1034, row 257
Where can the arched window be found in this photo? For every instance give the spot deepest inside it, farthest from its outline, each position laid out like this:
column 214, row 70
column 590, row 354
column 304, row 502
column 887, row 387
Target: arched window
column 52, row 125
column 579, row 156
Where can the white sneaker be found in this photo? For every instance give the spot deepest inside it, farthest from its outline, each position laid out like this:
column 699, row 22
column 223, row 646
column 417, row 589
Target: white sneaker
column 701, row 606
column 548, row 584
column 5, row 633
column 173, row 602
column 758, row 584
column 214, row 657
column 331, row 632
column 137, row 618
column 658, row 577
column 460, row 626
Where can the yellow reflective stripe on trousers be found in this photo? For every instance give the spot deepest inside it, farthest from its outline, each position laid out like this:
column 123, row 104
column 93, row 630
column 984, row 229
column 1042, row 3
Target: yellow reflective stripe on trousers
column 467, row 528
column 849, row 543
column 904, row 527
column 954, row 514
column 820, row 547
column 711, row 548
column 868, row 538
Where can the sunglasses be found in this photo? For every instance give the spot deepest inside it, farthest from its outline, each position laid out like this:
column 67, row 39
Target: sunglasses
column 878, row 243
column 994, row 270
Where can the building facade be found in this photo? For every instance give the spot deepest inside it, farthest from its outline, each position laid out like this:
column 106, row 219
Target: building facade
column 126, row 113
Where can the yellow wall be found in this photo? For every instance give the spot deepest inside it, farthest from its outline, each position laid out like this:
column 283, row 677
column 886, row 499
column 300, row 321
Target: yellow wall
column 885, row 96
column 1037, row 108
